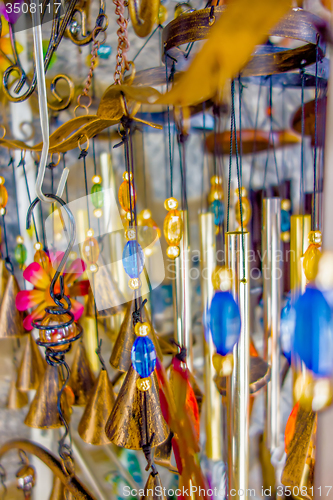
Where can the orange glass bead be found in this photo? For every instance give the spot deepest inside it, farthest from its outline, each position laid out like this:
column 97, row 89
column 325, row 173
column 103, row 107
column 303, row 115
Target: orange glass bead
column 90, row 250
column 3, row 196
column 42, row 259
column 57, row 334
column 173, row 228
column 124, row 196
column 246, row 209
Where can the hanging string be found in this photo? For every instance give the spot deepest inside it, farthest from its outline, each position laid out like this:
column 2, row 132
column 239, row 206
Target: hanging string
column 144, row 166
column 22, row 162
column 169, row 124
column 15, row 195
column 8, row 262
column 301, row 194
column 204, row 155
column 83, row 155
column 255, row 135
column 314, row 203
column 230, row 155
column 64, row 166
column 271, row 141
column 94, row 157
column 240, row 92
column 158, row 27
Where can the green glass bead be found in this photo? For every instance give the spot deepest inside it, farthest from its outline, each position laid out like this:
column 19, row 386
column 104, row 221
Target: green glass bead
column 97, row 195
column 20, row 254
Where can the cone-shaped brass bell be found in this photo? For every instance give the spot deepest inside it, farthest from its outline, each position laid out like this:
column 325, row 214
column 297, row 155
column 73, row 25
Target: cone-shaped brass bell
column 109, row 298
column 152, row 488
column 58, row 490
column 92, row 424
column 126, row 426
column 121, row 352
column 16, row 399
column 163, row 455
column 43, row 412
column 11, row 320
column 82, row 379
column 4, row 276
column 32, row 367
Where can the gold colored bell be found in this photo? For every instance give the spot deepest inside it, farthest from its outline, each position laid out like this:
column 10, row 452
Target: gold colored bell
column 82, row 379
column 121, row 352
column 11, row 320
column 106, row 292
column 152, row 487
column 4, row 276
column 43, row 412
column 32, row 367
column 299, row 468
column 163, row 455
column 58, row 490
column 16, row 399
column 126, row 426
column 92, row 424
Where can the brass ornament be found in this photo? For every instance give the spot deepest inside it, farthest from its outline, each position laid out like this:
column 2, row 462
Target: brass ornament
column 163, row 455
column 121, row 352
column 58, row 490
column 4, row 276
column 299, row 468
column 31, row 368
column 152, row 487
column 92, row 424
column 43, row 412
column 82, row 379
column 11, row 320
column 16, row 399
column 126, row 426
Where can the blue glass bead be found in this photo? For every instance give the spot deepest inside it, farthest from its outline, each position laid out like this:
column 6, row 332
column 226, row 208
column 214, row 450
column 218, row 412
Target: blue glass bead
column 285, row 221
column 225, row 322
column 133, row 259
column 287, row 329
column 313, row 340
column 217, row 208
column 143, row 356
column 104, row 51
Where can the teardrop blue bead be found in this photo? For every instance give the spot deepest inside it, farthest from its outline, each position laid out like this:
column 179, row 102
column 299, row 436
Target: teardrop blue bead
column 133, row 259
column 285, row 221
column 313, row 340
column 225, row 322
column 143, row 356
column 217, row 208
column 287, row 329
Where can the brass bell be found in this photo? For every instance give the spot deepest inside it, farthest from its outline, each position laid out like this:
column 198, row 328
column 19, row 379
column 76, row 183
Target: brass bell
column 163, row 455
column 43, row 412
column 82, row 379
column 153, row 488
column 121, row 352
column 58, row 489
column 126, row 426
column 16, row 399
column 299, row 468
column 4, row 276
column 11, row 320
column 92, row 424
column 31, row 368
column 108, row 297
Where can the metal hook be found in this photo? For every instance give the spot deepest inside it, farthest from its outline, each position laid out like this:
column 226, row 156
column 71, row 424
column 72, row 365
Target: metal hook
column 43, row 111
column 72, row 237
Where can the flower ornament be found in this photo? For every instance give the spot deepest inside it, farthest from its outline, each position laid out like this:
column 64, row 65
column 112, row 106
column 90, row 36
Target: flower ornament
column 39, row 298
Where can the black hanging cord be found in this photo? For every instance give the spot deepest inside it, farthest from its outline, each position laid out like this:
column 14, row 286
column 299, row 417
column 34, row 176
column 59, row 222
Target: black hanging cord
column 22, row 162
column 314, row 203
column 301, row 194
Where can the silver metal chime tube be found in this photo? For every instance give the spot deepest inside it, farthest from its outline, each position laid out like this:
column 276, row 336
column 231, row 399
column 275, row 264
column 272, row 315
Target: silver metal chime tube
column 213, row 400
column 272, row 279
column 182, row 293
column 237, row 246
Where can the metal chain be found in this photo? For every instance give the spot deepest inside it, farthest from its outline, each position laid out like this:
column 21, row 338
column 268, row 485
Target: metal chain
column 123, row 42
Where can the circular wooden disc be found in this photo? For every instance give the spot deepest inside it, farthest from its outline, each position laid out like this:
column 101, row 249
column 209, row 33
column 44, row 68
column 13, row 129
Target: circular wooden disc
column 310, row 120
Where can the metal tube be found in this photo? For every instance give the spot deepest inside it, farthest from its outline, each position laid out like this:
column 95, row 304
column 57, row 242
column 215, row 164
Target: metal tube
column 237, row 246
column 300, row 226
column 272, row 279
column 182, row 294
column 213, row 400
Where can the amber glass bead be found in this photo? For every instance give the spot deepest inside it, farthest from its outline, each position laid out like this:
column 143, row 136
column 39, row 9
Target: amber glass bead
column 124, row 196
column 171, row 204
column 3, row 196
column 173, row 252
column 142, row 329
column 90, row 250
column 145, row 219
column 134, row 283
column 42, row 259
column 162, row 14
column 222, row 278
column 311, row 261
column 173, row 228
column 246, row 211
column 216, row 190
column 57, row 334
